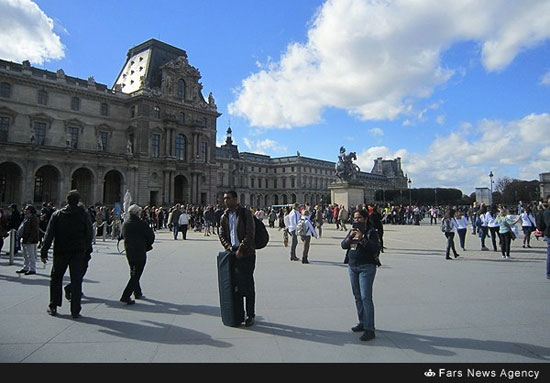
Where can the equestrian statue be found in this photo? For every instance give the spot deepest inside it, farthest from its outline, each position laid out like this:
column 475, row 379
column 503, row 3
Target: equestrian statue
column 346, row 170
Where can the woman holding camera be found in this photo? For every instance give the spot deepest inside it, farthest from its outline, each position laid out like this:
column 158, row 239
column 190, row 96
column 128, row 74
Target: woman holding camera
column 363, row 249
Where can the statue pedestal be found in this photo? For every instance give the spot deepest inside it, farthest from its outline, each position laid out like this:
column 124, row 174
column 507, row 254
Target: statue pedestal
column 346, row 193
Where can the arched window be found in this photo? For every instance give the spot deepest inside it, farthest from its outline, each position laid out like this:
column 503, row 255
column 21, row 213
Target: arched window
column 156, row 112
column 181, row 89
column 181, row 142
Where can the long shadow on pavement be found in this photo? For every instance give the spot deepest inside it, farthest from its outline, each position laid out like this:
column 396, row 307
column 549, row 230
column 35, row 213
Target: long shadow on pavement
column 155, row 332
column 434, row 345
column 423, row 344
column 158, row 307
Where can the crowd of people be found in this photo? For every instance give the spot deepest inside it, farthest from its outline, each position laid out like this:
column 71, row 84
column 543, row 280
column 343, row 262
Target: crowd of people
column 75, row 227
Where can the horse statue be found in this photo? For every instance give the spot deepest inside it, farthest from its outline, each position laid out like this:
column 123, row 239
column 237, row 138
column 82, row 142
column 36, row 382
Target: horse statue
column 346, row 170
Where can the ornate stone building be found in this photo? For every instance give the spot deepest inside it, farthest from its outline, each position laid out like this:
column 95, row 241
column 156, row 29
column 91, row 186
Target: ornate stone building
column 153, row 133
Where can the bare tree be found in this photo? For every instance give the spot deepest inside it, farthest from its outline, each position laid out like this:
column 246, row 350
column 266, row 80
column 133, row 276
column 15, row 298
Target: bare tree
column 503, row 183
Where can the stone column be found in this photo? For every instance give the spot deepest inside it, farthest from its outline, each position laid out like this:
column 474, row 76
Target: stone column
column 99, row 184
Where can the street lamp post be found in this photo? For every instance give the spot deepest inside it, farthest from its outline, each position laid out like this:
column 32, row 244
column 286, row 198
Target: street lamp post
column 491, row 175
column 410, row 199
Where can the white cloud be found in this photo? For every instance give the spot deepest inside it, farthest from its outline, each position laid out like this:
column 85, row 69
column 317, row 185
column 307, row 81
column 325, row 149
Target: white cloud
column 545, row 79
column 27, row 33
column 264, row 146
column 440, row 119
column 376, row 132
column 464, row 157
column 374, row 58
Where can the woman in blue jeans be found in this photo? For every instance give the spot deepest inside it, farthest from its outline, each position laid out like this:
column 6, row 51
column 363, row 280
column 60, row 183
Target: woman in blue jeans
column 363, row 249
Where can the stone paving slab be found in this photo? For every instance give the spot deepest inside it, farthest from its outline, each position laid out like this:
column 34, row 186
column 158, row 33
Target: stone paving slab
column 477, row 308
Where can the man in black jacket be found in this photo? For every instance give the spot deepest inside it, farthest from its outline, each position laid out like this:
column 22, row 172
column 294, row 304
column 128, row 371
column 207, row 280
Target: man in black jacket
column 71, row 228
column 138, row 240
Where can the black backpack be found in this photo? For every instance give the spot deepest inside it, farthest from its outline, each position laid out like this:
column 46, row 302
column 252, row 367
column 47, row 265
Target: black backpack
column 261, row 236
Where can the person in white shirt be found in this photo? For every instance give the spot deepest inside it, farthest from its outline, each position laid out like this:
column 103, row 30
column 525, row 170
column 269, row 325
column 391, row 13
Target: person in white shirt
column 450, row 225
column 483, row 228
column 527, row 225
column 293, row 218
column 306, row 238
column 183, row 222
column 493, row 226
column 462, row 228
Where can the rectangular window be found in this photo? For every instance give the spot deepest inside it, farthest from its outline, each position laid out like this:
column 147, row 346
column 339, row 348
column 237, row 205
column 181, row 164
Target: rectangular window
column 39, row 132
column 155, row 145
column 73, row 135
column 42, row 97
column 5, row 89
column 132, row 111
column 75, row 103
column 181, row 142
column 204, row 149
column 266, row 184
column 4, row 128
column 103, row 138
column 104, row 109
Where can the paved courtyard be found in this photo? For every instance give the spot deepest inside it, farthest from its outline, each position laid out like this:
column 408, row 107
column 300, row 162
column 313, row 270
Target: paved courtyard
column 477, row 308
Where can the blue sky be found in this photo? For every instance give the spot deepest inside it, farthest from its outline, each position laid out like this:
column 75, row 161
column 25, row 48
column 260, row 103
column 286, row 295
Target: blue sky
column 455, row 88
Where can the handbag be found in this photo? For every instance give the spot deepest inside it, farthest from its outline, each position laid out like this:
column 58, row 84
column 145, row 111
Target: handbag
column 512, row 234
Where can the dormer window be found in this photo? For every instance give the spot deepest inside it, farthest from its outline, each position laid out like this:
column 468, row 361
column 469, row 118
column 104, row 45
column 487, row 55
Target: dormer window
column 181, row 89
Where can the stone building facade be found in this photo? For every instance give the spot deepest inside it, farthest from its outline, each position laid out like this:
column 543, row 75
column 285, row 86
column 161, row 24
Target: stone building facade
column 544, row 186
column 153, row 133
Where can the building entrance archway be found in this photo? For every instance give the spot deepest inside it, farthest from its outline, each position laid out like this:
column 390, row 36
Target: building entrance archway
column 10, row 183
column 82, row 180
column 181, row 190
column 46, row 185
column 112, row 188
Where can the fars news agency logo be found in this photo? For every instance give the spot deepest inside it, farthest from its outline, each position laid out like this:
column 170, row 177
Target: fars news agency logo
column 429, row 373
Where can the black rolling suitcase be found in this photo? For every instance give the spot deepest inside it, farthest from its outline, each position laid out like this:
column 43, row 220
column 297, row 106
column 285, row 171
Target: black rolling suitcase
column 232, row 309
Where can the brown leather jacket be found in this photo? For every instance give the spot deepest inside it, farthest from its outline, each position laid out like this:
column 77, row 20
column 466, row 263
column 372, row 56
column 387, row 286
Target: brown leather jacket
column 245, row 231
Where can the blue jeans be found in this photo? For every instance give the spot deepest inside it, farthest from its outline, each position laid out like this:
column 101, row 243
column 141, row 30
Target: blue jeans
column 547, row 239
column 175, row 230
column 362, row 279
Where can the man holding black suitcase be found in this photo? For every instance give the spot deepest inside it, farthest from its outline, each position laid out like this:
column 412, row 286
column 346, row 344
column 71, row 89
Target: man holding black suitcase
column 237, row 229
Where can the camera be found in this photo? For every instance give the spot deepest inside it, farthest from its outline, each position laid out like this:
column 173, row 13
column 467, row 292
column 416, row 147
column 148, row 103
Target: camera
column 359, row 226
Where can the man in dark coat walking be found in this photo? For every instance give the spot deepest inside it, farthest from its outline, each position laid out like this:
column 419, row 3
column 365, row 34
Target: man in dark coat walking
column 71, row 230
column 138, row 240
